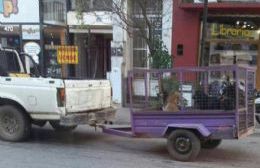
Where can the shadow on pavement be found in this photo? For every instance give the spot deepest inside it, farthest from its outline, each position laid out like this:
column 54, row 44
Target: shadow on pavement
column 48, row 135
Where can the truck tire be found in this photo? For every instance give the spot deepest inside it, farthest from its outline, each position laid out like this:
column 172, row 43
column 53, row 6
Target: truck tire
column 15, row 126
column 183, row 145
column 211, row 144
column 61, row 128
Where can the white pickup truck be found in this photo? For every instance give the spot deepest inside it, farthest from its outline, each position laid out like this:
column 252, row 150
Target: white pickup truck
column 26, row 98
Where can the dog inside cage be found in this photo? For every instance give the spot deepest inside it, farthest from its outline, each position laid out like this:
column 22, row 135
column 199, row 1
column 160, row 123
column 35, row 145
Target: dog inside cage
column 221, row 94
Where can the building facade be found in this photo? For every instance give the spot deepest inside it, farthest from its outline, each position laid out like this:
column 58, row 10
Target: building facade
column 92, row 33
column 18, row 24
column 232, row 37
column 35, row 27
column 55, row 33
column 114, row 48
column 107, row 50
column 130, row 49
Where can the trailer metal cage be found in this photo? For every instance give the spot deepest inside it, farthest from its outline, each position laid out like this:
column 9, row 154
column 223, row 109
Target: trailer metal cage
column 220, row 97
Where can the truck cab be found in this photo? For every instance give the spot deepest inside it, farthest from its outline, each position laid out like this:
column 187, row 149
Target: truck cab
column 27, row 98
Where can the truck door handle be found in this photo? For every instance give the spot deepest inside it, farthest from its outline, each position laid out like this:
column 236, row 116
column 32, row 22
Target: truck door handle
column 8, row 79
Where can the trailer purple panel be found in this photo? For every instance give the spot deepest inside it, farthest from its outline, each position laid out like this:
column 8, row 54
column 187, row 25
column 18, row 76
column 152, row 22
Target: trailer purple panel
column 221, row 125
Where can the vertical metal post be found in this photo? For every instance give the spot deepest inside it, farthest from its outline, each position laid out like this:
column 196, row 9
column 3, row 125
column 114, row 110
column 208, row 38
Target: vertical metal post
column 21, row 38
column 41, row 60
column 246, row 97
column 130, row 87
column 181, row 84
column 204, row 32
column 237, row 99
column 146, row 87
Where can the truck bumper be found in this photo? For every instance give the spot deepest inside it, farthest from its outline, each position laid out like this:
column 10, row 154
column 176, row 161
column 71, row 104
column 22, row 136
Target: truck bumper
column 91, row 118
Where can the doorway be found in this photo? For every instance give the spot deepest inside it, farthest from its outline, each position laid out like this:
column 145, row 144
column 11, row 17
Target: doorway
column 94, row 55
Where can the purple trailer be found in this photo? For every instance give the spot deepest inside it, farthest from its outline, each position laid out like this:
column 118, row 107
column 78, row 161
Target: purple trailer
column 193, row 107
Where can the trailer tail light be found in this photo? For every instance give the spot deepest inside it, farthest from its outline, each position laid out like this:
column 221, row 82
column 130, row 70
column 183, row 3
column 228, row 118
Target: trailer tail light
column 61, row 97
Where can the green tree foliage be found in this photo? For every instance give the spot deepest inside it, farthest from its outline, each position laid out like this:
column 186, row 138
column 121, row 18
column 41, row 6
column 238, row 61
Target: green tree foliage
column 160, row 57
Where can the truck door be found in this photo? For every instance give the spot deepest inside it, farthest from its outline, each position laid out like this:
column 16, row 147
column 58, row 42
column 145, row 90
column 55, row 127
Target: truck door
column 37, row 95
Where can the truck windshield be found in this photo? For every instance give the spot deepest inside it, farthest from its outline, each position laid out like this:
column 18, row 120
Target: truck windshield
column 9, row 62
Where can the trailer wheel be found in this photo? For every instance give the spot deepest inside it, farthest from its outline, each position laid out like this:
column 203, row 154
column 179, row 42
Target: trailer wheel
column 61, row 128
column 211, row 144
column 183, row 145
column 15, row 126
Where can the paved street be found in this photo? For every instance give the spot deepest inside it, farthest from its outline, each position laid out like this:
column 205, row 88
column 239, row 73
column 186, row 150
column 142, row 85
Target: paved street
column 86, row 148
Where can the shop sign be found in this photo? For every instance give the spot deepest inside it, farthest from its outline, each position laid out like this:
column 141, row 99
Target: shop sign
column 19, row 11
column 67, row 55
column 9, row 29
column 227, row 31
column 33, row 49
column 31, row 32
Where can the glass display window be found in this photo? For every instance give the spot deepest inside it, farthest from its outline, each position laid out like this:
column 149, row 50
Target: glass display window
column 232, row 41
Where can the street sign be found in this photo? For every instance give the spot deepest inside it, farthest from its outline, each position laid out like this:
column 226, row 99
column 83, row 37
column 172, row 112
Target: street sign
column 67, row 55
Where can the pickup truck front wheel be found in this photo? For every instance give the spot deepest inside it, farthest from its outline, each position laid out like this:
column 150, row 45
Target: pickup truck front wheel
column 14, row 124
column 62, row 128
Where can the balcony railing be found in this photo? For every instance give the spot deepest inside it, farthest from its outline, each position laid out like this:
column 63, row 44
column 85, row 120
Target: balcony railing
column 92, row 5
column 55, row 12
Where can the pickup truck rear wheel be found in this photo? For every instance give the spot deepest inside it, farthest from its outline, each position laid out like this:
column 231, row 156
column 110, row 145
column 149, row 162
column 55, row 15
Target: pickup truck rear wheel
column 14, row 124
column 56, row 125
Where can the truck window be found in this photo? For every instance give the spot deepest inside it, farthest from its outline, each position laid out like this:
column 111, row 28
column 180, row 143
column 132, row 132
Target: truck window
column 9, row 62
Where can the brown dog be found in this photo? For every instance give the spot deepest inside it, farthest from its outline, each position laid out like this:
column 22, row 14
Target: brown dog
column 172, row 102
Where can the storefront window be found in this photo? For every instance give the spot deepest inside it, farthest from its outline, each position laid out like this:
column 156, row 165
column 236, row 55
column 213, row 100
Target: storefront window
column 10, row 36
column 53, row 37
column 232, row 41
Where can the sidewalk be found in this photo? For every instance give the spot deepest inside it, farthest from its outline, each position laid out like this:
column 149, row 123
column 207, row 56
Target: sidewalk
column 122, row 115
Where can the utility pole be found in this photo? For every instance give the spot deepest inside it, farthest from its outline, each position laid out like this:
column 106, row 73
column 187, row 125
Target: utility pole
column 41, row 59
column 204, row 32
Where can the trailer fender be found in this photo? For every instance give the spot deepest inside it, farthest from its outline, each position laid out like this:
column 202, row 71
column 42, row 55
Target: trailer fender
column 197, row 127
